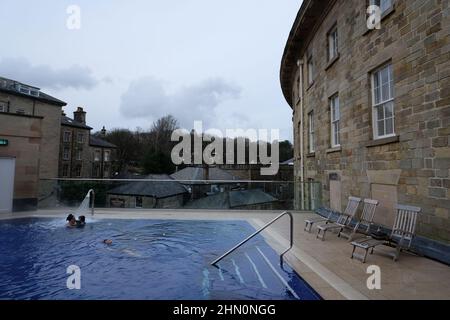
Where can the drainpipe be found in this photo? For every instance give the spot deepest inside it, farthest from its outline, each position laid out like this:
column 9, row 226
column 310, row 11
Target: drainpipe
column 302, row 155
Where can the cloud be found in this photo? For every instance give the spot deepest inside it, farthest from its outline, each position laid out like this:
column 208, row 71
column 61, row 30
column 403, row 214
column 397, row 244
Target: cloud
column 147, row 98
column 44, row 76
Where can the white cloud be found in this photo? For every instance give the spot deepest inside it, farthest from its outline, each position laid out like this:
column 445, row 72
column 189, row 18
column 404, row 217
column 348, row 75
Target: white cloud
column 44, row 76
column 148, row 98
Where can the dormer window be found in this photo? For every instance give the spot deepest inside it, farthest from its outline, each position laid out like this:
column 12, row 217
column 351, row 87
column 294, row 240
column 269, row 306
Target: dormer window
column 31, row 91
column 3, row 107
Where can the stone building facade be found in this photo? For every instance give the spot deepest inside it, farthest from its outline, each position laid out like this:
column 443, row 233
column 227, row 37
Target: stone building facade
column 75, row 154
column 82, row 155
column 371, row 107
column 30, row 122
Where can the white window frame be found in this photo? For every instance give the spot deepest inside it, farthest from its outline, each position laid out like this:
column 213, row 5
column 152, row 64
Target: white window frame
column 311, row 133
column 335, row 118
column 384, row 8
column 80, row 140
column 65, row 174
column 333, row 43
column 382, row 103
column 107, row 156
column 106, row 170
column 3, row 107
column 78, row 175
column 66, row 155
column 99, row 153
column 67, row 136
column 79, row 155
column 135, row 202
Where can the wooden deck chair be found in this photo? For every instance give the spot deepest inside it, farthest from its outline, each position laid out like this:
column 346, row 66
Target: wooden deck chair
column 402, row 234
column 352, row 202
column 365, row 221
column 343, row 220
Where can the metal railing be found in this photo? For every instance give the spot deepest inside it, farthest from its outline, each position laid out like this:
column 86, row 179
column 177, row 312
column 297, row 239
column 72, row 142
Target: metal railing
column 182, row 194
column 291, row 238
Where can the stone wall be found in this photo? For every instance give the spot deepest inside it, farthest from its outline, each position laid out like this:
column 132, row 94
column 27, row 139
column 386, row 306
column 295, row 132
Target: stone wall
column 24, row 139
column 86, row 153
column 412, row 167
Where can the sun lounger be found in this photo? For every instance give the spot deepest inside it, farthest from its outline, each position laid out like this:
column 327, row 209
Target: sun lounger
column 352, row 204
column 401, row 236
column 343, row 220
column 364, row 222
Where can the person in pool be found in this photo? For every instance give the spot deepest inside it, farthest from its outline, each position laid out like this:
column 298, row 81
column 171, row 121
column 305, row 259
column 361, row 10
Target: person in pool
column 71, row 222
column 107, row 241
column 81, row 222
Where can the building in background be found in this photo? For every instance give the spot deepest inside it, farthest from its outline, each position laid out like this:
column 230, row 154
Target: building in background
column 371, row 108
column 29, row 131
column 253, row 199
column 81, row 154
column 156, row 191
column 102, row 153
column 203, row 180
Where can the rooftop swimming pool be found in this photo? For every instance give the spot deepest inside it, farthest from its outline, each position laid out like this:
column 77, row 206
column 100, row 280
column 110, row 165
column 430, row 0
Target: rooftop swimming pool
column 148, row 259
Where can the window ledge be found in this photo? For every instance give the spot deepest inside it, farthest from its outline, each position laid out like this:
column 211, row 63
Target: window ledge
column 383, row 141
column 332, row 61
column 311, row 155
column 24, row 115
column 334, row 149
column 386, row 14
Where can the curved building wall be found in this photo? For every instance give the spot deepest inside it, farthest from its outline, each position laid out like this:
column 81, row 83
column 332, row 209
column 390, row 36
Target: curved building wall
column 410, row 58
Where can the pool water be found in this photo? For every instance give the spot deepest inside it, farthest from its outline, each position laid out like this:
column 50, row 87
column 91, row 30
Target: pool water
column 148, row 259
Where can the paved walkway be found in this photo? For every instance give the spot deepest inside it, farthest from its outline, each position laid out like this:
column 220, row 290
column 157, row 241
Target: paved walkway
column 325, row 265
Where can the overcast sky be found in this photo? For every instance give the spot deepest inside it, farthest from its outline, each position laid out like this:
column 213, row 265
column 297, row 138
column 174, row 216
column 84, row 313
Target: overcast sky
column 132, row 62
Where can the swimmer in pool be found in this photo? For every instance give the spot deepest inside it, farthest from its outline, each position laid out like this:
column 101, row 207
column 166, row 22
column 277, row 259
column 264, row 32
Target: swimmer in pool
column 81, row 222
column 71, row 222
column 126, row 251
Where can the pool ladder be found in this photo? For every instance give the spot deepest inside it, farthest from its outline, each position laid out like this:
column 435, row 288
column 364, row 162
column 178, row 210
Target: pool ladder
column 291, row 238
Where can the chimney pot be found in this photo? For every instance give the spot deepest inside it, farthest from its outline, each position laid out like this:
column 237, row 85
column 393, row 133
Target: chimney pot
column 80, row 115
column 103, row 132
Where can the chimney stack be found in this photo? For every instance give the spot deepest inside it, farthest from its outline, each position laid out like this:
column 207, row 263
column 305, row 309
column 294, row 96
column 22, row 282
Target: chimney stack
column 80, row 115
column 63, row 113
column 103, row 132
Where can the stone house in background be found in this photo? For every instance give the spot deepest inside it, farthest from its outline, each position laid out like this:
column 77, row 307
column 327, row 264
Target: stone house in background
column 102, row 156
column 30, row 126
column 156, row 191
column 253, row 199
column 83, row 155
column 371, row 108
column 203, row 180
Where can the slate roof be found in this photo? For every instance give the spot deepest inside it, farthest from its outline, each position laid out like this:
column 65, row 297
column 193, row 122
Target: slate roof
column 157, row 189
column 232, row 199
column 66, row 121
column 97, row 142
column 9, row 86
column 197, row 174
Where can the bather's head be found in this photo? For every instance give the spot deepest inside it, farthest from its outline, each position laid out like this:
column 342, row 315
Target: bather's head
column 70, row 218
column 82, row 219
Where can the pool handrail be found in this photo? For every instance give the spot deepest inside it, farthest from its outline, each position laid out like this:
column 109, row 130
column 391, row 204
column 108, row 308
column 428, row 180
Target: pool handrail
column 291, row 238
